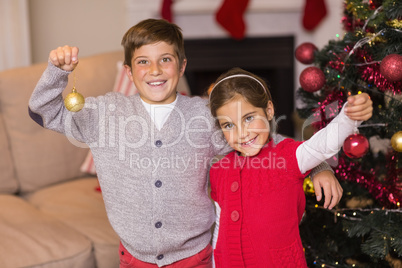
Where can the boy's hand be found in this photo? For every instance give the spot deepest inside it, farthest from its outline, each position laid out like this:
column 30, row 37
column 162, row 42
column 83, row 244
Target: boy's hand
column 332, row 189
column 66, row 58
column 359, row 107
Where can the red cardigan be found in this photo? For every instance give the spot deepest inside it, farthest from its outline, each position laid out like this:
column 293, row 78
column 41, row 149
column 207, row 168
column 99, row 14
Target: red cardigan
column 262, row 202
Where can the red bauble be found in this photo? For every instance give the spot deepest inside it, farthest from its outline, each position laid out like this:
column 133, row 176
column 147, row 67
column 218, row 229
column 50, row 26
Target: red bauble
column 305, row 53
column 312, row 79
column 356, row 145
column 391, row 67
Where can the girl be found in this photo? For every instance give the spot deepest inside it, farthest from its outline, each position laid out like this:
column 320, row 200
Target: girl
column 258, row 188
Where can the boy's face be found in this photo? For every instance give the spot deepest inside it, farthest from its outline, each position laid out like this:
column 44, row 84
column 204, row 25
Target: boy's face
column 155, row 72
column 245, row 127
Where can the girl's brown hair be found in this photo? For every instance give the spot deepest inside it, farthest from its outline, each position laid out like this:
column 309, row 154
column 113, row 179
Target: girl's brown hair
column 152, row 31
column 251, row 87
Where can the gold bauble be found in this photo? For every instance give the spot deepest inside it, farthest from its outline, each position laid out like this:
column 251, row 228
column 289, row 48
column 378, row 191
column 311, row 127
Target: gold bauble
column 308, row 186
column 396, row 141
column 74, row 101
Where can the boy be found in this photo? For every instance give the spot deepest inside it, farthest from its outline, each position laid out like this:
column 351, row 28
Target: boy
column 152, row 166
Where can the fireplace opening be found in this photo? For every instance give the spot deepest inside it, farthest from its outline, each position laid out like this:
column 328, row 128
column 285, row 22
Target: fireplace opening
column 268, row 57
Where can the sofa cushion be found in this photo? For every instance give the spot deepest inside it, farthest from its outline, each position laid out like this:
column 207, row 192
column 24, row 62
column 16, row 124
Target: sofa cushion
column 43, row 157
column 8, row 183
column 30, row 238
column 80, row 206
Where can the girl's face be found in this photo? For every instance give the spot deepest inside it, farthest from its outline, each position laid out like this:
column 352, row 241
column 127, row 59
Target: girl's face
column 155, row 72
column 245, row 127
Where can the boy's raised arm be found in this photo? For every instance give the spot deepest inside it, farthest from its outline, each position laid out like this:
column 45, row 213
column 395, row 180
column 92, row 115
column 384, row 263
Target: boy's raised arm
column 46, row 105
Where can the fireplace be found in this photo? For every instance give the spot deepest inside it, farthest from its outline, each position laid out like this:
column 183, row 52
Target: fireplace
column 269, row 57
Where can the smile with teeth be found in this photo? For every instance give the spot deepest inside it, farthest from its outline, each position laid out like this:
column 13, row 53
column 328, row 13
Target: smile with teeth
column 157, row 83
column 249, row 142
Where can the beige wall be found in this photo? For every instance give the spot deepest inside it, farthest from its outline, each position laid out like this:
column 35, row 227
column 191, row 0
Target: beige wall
column 97, row 26
column 94, row 26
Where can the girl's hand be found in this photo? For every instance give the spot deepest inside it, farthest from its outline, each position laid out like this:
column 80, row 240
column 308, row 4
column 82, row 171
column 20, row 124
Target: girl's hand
column 327, row 182
column 66, row 58
column 359, row 107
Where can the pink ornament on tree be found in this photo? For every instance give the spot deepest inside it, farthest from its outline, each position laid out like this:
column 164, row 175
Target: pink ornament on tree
column 356, row 145
column 305, row 53
column 312, row 79
column 391, row 67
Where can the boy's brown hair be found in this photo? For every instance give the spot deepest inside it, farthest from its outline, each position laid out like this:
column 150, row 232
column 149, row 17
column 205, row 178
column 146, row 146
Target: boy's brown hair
column 151, row 31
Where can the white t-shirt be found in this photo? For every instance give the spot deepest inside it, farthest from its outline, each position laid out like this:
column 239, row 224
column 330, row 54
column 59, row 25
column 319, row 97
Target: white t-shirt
column 159, row 112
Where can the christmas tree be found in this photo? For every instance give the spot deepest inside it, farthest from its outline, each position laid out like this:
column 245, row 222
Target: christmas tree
column 365, row 229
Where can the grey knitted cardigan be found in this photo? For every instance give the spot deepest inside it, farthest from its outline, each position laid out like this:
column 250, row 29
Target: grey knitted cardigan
column 154, row 183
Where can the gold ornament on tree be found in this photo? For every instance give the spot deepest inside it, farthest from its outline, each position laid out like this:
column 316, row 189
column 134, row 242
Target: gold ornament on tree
column 396, row 141
column 395, row 23
column 74, row 101
column 308, row 186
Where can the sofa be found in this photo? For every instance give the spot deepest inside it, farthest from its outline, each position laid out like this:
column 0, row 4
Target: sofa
column 51, row 213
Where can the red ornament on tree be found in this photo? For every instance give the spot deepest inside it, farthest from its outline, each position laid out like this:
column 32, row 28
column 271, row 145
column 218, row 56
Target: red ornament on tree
column 391, row 67
column 312, row 79
column 305, row 53
column 356, row 145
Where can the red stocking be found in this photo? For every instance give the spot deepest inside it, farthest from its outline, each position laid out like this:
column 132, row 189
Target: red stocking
column 166, row 10
column 314, row 12
column 230, row 16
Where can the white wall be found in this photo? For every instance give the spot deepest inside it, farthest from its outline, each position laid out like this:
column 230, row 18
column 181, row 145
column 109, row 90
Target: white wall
column 97, row 26
column 15, row 45
column 331, row 24
column 94, row 26
column 263, row 17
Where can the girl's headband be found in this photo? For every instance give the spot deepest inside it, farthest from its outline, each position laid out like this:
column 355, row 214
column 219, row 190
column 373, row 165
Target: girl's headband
column 236, row 75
